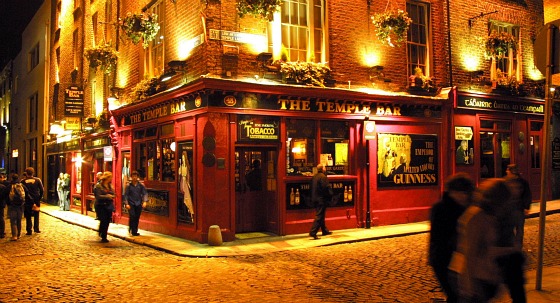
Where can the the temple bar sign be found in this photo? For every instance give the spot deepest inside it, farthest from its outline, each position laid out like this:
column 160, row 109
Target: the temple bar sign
column 74, row 102
column 499, row 105
column 216, row 34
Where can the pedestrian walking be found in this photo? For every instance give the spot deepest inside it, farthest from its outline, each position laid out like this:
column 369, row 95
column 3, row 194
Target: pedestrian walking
column 104, row 203
column 520, row 201
column 16, row 200
column 135, row 198
column 321, row 194
column 444, row 215
column 66, row 191
column 33, row 197
column 475, row 260
column 4, row 187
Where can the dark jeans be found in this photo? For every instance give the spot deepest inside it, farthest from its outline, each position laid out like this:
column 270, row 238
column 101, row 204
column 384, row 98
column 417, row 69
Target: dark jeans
column 319, row 222
column 29, row 213
column 104, row 216
column 447, row 281
column 514, row 278
column 134, row 217
column 2, row 223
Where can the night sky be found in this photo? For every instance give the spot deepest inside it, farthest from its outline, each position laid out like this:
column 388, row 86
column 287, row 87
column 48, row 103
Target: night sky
column 14, row 16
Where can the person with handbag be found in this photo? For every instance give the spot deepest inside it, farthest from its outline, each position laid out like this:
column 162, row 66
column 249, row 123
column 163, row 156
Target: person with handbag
column 33, row 197
column 321, row 194
column 104, row 203
column 135, row 198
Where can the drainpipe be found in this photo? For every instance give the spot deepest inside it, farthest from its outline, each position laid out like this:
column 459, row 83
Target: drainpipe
column 449, row 44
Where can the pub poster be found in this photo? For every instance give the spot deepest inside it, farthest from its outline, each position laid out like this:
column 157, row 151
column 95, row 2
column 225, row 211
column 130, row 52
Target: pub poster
column 185, row 203
column 407, row 160
column 464, row 146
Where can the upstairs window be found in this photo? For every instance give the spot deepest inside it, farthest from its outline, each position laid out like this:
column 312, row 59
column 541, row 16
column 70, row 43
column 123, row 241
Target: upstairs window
column 154, row 61
column 301, row 27
column 418, row 47
column 33, row 58
column 508, row 64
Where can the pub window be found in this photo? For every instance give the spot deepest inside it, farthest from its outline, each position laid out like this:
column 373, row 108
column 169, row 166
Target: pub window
column 418, row 37
column 76, row 48
column 154, row 157
column 301, row 27
column 495, row 147
column 95, row 28
column 108, row 20
column 300, row 156
column 154, row 63
column 535, row 143
column 505, row 67
column 334, row 146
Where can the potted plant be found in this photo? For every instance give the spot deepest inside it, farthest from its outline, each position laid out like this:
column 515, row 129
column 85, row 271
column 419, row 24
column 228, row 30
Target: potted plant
column 140, row 26
column 391, row 24
column 306, row 73
column 508, row 85
column 421, row 84
column 258, row 8
column 146, row 88
column 102, row 56
column 498, row 44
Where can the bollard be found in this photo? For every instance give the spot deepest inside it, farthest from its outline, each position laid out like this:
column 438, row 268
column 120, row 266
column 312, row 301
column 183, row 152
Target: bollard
column 214, row 236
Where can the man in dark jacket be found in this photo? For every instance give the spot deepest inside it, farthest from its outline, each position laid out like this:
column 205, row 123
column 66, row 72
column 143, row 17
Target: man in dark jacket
column 320, row 196
column 4, row 189
column 33, row 196
column 520, row 202
column 134, row 199
column 457, row 196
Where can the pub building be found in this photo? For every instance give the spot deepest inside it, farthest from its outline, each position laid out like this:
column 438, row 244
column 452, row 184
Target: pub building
column 193, row 147
column 491, row 131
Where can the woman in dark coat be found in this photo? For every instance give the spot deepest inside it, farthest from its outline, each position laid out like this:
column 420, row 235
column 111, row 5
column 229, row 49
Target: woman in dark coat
column 104, row 203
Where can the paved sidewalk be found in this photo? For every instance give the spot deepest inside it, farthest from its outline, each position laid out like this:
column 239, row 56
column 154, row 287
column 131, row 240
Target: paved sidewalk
column 267, row 244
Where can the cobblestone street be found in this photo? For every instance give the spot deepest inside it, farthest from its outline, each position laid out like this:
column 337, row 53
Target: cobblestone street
column 66, row 263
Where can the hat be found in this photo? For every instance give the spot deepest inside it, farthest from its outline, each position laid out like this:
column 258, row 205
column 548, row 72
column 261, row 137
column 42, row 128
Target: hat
column 513, row 169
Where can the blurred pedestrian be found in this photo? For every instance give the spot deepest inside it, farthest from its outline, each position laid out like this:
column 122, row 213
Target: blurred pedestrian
column 135, row 198
column 4, row 189
column 16, row 200
column 66, row 191
column 104, row 203
column 520, row 202
column 33, row 198
column 321, row 194
column 444, row 215
column 59, row 190
column 98, row 178
column 475, row 260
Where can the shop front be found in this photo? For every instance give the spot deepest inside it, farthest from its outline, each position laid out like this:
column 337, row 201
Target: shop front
column 491, row 131
column 59, row 160
column 241, row 156
column 96, row 156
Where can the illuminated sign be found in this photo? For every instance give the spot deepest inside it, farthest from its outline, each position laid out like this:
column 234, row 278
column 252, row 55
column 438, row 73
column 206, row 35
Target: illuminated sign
column 216, row 34
column 533, row 107
column 74, row 102
column 258, row 128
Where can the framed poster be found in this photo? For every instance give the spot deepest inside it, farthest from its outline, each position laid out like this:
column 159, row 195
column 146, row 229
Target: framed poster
column 464, row 146
column 407, row 160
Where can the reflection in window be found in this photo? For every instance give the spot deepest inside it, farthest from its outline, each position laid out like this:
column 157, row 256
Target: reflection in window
column 300, row 146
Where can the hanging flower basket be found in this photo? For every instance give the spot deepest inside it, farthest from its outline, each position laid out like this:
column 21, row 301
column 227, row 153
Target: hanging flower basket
column 258, row 8
column 102, row 56
column 306, row 73
column 140, row 26
column 391, row 26
column 498, row 44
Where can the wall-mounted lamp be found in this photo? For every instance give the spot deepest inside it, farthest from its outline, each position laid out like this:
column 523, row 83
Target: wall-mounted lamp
column 471, row 20
column 173, row 67
column 115, row 93
column 55, row 129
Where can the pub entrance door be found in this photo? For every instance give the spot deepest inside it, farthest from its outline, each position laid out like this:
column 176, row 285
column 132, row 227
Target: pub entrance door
column 256, row 190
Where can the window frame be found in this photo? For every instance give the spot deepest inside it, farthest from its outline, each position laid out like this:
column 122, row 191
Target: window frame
column 507, row 64
column 33, row 57
column 156, row 47
column 427, row 65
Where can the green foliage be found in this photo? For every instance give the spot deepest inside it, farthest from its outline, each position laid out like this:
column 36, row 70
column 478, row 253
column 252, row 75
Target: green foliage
column 145, row 88
column 258, row 8
column 102, row 56
column 391, row 24
column 306, row 73
column 498, row 44
column 140, row 26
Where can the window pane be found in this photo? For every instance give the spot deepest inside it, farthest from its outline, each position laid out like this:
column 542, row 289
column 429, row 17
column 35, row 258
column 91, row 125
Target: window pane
column 486, row 155
column 285, row 9
column 302, row 45
column 300, row 156
column 334, row 146
column 168, row 164
column 487, row 124
column 317, row 17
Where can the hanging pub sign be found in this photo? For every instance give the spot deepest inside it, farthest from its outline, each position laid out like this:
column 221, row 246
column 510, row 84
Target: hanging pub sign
column 74, row 102
column 407, row 160
column 258, row 128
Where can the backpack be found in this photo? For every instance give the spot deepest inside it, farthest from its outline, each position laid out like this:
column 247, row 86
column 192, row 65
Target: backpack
column 17, row 194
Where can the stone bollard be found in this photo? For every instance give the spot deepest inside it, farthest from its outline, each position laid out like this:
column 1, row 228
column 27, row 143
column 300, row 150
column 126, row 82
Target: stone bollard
column 214, row 236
